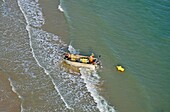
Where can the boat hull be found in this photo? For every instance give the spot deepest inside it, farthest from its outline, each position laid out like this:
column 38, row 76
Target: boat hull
column 81, row 65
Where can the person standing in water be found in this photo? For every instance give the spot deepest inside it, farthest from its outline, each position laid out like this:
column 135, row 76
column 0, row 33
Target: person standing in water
column 91, row 58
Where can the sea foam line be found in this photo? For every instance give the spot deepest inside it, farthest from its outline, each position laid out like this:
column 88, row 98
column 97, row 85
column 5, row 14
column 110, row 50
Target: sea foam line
column 61, row 95
column 90, row 85
column 13, row 89
column 60, row 8
column 28, row 29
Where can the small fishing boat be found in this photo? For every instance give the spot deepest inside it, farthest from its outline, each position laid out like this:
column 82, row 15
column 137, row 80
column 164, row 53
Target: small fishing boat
column 81, row 61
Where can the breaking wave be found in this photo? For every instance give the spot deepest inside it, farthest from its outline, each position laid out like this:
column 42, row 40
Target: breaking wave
column 60, row 8
column 92, row 79
column 47, row 50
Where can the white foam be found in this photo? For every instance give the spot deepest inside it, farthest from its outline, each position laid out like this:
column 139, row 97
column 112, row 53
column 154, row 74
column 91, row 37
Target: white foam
column 60, row 8
column 91, row 80
column 72, row 50
column 22, row 109
column 28, row 29
column 13, row 89
column 32, row 12
column 37, row 21
column 61, row 95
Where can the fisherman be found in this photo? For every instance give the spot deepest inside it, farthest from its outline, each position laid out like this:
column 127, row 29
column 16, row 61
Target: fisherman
column 91, row 58
column 67, row 56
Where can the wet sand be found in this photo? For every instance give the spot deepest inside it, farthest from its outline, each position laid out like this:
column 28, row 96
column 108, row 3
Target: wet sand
column 9, row 101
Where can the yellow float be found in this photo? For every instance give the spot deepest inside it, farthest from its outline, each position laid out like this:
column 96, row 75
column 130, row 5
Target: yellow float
column 120, row 68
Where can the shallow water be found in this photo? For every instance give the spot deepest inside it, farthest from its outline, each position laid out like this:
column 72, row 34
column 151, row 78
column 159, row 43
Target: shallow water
column 31, row 58
column 9, row 101
column 34, row 34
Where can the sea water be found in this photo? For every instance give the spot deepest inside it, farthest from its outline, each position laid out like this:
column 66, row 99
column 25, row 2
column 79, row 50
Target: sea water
column 132, row 34
column 31, row 59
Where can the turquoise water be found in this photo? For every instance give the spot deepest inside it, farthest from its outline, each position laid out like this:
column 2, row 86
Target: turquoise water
column 135, row 34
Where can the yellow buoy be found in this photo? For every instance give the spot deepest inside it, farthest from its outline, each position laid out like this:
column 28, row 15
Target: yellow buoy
column 120, row 68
